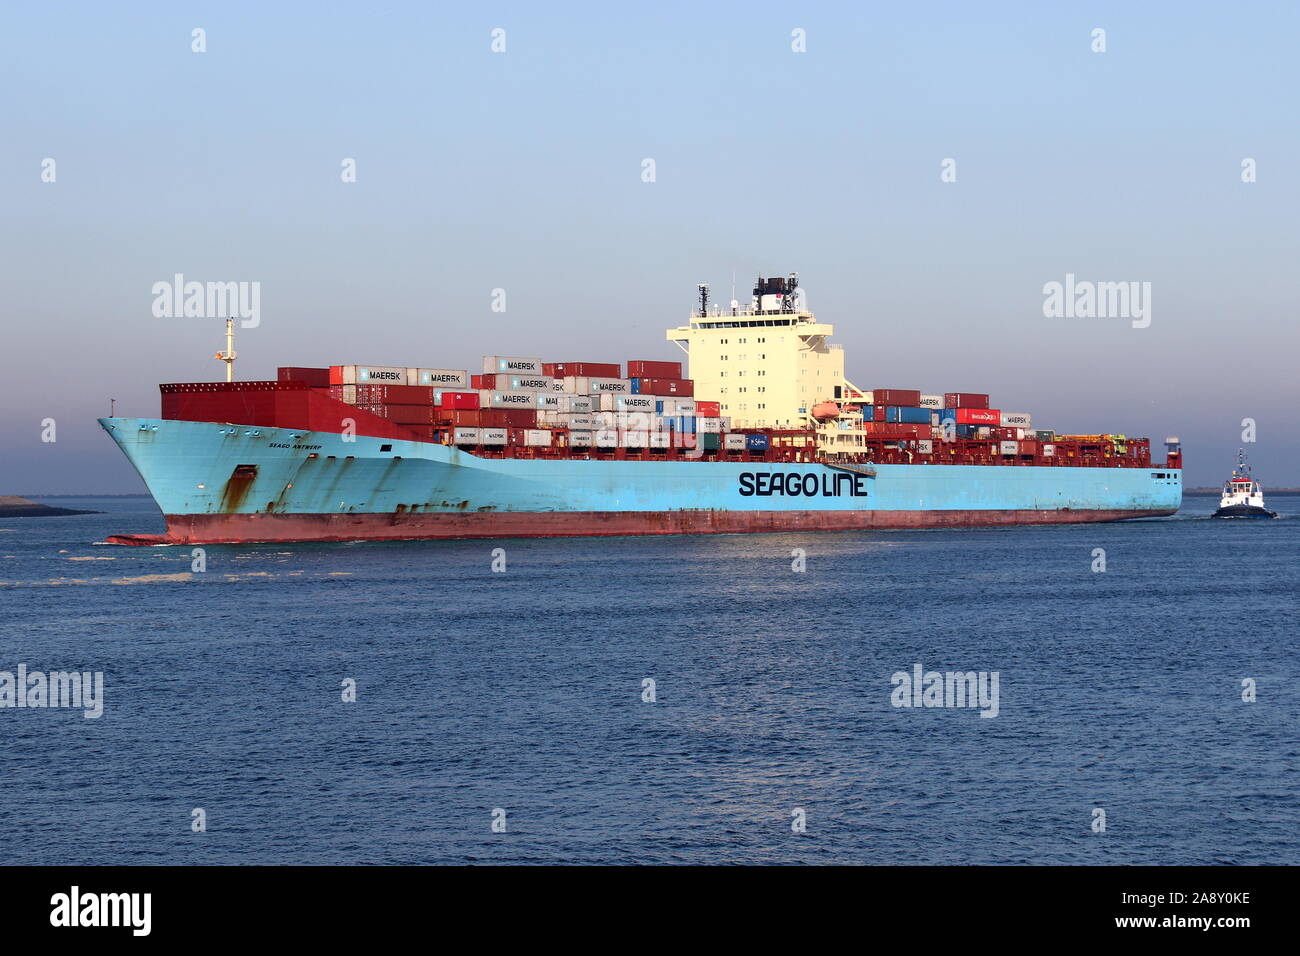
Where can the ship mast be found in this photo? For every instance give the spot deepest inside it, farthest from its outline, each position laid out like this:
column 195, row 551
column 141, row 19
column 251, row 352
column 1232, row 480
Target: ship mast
column 228, row 356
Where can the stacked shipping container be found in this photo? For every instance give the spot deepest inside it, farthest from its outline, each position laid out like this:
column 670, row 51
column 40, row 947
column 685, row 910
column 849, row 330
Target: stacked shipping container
column 526, row 402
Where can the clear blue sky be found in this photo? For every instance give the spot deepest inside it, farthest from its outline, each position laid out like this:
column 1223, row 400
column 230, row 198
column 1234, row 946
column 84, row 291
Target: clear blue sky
column 522, row 170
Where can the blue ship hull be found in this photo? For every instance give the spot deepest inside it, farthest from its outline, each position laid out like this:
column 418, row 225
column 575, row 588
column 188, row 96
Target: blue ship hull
column 233, row 483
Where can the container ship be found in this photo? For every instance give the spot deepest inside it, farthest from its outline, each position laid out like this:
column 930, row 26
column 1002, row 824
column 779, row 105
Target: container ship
column 762, row 433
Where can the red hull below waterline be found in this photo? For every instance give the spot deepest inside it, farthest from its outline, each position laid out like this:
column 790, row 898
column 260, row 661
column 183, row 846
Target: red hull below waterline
column 268, row 528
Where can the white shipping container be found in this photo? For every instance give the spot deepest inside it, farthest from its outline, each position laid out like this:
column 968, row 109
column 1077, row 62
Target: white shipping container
column 373, row 375
column 522, row 383
column 934, row 419
column 580, row 439
column 681, row 406
column 982, row 432
column 547, row 400
column 1016, row 420
column 492, row 436
column 633, row 438
column 557, row 385
column 349, row 394
column 537, row 438
column 636, row 421
column 608, row 402
column 724, row 423
column 660, row 439
column 1049, row 451
column 607, row 438
column 925, row 446
column 585, row 385
column 464, row 436
column 493, row 399
column 932, row 401
column 733, row 442
column 632, row 403
column 577, row 421
column 577, row 403
column 711, row 426
column 450, row 378
column 1008, row 447
column 511, row 365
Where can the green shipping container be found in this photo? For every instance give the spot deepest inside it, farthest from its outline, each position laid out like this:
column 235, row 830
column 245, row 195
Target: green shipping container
column 712, row 441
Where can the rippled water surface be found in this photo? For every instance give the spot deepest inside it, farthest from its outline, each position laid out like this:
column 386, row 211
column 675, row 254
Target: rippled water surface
column 523, row 691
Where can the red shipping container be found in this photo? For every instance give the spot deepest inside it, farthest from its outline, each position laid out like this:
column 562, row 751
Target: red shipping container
column 682, row 387
column 588, row 369
column 486, row 380
column 402, row 414
column 315, row 377
column 390, row 394
column 965, row 400
column 519, row 417
column 654, row 369
column 708, row 409
column 908, row 397
column 471, row 418
column 977, row 416
column 457, row 400
column 896, row 430
column 878, row 413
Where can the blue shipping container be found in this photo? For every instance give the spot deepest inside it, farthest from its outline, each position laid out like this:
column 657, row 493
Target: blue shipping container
column 756, row 442
column 636, row 386
column 907, row 416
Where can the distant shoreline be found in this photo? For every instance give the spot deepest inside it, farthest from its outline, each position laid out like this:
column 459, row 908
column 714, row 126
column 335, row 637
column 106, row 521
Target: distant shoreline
column 14, row 506
column 1219, row 491
column 86, row 495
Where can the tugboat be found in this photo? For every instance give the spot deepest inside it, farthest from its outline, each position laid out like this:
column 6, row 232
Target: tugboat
column 1242, row 497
